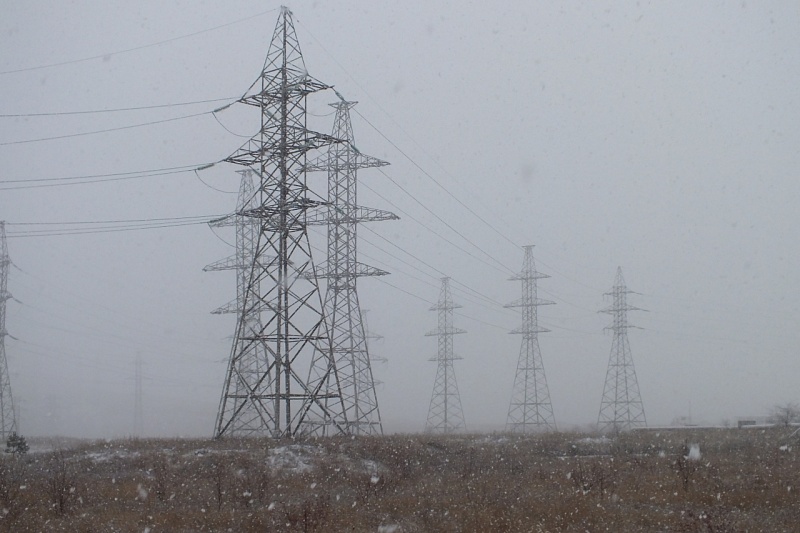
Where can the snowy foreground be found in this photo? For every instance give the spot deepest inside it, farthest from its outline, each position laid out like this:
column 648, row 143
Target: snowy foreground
column 659, row 480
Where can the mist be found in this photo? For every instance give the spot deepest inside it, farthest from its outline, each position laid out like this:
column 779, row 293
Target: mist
column 661, row 138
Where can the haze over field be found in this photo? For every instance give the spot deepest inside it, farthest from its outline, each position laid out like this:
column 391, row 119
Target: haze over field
column 661, row 138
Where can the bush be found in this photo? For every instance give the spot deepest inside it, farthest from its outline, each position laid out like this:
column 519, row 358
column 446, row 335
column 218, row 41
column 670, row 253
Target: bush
column 16, row 444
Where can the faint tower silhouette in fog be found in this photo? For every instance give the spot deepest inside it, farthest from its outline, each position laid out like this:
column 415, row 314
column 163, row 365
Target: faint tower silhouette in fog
column 8, row 415
column 621, row 407
column 530, row 408
column 248, row 359
column 445, row 414
column 138, row 417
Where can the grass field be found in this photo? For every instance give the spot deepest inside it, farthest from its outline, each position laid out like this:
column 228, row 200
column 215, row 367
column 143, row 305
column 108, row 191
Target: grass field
column 714, row 480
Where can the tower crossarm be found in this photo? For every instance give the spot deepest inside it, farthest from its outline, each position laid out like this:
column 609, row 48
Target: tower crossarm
column 353, row 214
column 254, row 151
column 357, row 160
column 229, row 308
column 446, row 330
column 234, row 307
column 299, row 86
column 357, row 270
column 620, row 308
column 229, row 263
column 527, row 329
column 223, row 222
column 444, row 305
column 527, row 302
column 528, row 276
column 451, row 357
column 274, row 218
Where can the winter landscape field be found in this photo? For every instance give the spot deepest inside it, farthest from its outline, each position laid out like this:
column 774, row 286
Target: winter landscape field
column 688, row 480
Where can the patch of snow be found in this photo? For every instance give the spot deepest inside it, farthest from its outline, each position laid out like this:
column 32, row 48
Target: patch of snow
column 595, row 440
column 294, row 457
column 694, row 452
column 389, row 528
column 111, row 455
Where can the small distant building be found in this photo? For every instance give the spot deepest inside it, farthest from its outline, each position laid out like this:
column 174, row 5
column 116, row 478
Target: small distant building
column 752, row 421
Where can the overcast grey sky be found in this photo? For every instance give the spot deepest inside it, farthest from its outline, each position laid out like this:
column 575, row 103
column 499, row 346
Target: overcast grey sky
column 660, row 137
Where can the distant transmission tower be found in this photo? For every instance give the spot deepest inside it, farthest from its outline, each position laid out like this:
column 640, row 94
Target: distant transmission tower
column 343, row 269
column 445, row 414
column 8, row 416
column 248, row 360
column 530, row 408
column 138, row 417
column 298, row 389
column 621, row 407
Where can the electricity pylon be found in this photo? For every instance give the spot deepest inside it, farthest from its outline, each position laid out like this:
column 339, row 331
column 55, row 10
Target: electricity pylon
column 8, row 416
column 343, row 269
column 621, row 407
column 247, row 363
column 298, row 390
column 445, row 414
column 370, row 336
column 530, row 409
column 138, row 416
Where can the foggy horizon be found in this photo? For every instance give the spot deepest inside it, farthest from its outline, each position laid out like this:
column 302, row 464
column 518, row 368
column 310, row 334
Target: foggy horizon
column 659, row 138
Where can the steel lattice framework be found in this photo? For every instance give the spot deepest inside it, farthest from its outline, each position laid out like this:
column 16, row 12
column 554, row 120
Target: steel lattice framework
column 342, row 269
column 445, row 414
column 298, row 390
column 248, row 360
column 370, row 336
column 530, row 409
column 621, row 407
column 8, row 417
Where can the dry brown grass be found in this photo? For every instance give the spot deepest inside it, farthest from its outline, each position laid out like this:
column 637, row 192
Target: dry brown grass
column 639, row 481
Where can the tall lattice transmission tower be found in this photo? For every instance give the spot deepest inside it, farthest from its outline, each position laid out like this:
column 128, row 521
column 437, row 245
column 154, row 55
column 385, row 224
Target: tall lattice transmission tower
column 298, row 389
column 621, row 407
column 342, row 269
column 8, row 416
column 445, row 414
column 530, row 409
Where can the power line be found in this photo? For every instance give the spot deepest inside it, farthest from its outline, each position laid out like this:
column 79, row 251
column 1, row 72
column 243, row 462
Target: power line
column 114, row 110
column 476, row 215
column 440, row 219
column 39, row 183
column 424, row 151
column 102, row 229
column 107, row 130
column 89, row 176
column 136, row 48
column 126, row 221
column 96, row 310
column 428, row 228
